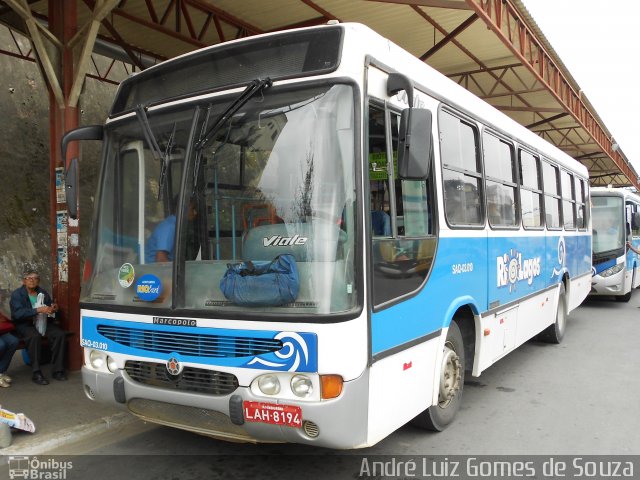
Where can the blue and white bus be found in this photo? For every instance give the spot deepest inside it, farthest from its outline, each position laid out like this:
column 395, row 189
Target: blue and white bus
column 426, row 236
column 616, row 222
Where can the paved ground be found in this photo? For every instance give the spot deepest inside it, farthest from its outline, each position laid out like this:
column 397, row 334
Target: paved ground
column 60, row 411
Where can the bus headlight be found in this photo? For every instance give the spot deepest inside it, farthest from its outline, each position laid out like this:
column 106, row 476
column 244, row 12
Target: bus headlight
column 269, row 384
column 612, row 271
column 111, row 365
column 96, row 358
column 301, row 385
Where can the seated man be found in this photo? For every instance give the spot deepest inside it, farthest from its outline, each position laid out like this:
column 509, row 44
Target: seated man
column 24, row 314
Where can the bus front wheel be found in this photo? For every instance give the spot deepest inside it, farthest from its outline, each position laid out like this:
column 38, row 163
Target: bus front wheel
column 437, row 417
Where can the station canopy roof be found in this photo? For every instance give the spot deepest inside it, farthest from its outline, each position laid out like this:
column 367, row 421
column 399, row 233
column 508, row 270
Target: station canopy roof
column 491, row 47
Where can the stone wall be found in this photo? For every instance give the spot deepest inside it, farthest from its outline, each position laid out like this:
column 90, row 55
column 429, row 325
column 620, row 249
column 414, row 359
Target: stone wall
column 24, row 165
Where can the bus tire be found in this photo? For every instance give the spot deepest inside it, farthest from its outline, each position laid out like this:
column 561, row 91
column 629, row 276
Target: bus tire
column 437, row 417
column 555, row 333
column 623, row 298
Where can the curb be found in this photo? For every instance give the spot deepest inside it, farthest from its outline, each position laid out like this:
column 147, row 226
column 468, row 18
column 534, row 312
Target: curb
column 41, row 445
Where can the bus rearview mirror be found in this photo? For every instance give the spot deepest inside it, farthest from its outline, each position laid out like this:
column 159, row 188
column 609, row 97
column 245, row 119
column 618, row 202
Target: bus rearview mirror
column 635, row 221
column 415, row 144
column 89, row 132
column 71, row 188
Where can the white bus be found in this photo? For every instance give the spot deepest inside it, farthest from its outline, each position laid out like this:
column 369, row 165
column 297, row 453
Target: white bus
column 392, row 280
column 616, row 221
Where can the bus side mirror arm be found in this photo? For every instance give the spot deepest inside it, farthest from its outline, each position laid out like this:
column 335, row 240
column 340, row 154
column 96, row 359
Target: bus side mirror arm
column 90, row 132
column 397, row 82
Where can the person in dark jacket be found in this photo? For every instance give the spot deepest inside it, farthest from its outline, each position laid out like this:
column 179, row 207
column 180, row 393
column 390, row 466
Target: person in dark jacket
column 24, row 313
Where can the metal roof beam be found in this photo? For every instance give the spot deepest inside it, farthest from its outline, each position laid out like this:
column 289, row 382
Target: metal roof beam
column 506, row 108
column 328, row 15
column 588, row 155
column 450, row 4
column 180, row 7
column 466, row 51
column 516, row 92
column 486, row 69
column 307, row 23
column 21, row 7
column 159, row 28
column 455, row 32
column 224, row 16
column 529, row 50
column 101, row 10
column 125, row 46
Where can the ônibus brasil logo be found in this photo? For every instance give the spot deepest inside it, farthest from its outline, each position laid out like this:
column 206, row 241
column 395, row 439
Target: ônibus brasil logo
column 511, row 268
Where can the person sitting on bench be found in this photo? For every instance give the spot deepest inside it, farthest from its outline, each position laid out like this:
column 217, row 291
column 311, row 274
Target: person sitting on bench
column 24, row 314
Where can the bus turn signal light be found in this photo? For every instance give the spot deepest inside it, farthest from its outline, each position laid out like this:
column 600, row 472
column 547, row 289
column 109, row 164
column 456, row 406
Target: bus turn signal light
column 331, row 386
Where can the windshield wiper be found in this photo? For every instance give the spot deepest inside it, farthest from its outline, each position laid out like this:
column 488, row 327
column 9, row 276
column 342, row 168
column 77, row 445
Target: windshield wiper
column 256, row 86
column 155, row 148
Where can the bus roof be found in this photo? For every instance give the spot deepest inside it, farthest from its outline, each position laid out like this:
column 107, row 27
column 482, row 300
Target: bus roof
column 360, row 41
column 615, row 192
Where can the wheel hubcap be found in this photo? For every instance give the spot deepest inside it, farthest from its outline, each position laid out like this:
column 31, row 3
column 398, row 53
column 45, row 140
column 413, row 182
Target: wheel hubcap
column 450, row 377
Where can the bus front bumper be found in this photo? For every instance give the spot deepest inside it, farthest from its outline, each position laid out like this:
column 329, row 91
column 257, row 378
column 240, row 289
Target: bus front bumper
column 611, row 285
column 337, row 423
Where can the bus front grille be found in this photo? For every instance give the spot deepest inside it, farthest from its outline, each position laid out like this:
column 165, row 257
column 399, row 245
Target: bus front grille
column 191, row 379
column 193, row 419
column 189, row 344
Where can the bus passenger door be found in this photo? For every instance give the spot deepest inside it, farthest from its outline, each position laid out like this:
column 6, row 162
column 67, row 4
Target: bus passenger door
column 402, row 243
column 633, row 236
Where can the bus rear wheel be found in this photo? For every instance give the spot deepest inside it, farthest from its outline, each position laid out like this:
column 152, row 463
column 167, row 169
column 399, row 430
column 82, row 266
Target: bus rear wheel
column 437, row 417
column 555, row 333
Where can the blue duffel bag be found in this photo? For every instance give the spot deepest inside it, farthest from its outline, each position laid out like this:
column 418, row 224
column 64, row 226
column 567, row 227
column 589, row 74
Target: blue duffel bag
column 262, row 284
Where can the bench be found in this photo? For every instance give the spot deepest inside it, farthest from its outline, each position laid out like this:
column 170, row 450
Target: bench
column 22, row 347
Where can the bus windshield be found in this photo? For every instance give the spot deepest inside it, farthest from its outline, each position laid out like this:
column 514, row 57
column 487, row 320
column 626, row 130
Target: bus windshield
column 277, row 178
column 608, row 223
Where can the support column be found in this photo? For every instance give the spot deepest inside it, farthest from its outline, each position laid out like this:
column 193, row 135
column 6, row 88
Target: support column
column 65, row 250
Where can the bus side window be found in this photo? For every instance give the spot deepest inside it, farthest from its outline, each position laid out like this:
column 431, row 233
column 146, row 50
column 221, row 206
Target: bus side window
column 530, row 190
column 580, row 203
column 461, row 172
column 568, row 200
column 499, row 163
column 552, row 200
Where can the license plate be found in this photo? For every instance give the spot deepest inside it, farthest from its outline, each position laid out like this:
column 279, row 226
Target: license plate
column 276, row 414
